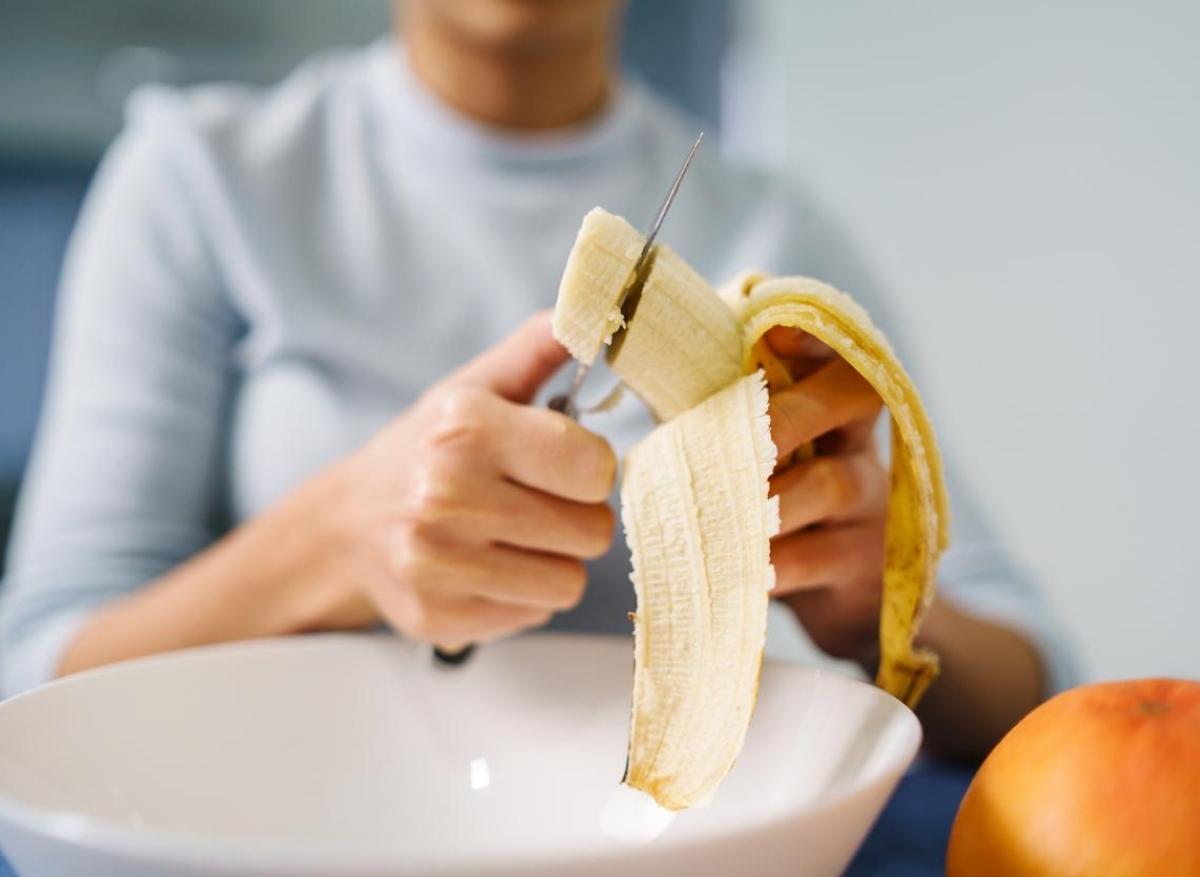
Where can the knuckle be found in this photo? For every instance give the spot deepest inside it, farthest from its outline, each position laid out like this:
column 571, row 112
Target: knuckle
column 537, row 618
column 872, row 480
column 872, row 401
column 459, row 423
column 867, row 400
column 584, row 459
column 601, row 472
column 575, row 580
column 787, row 557
column 414, row 556
column 434, row 498
column 816, row 348
column 837, row 482
column 786, row 425
column 422, row 620
column 603, row 529
column 569, row 584
column 591, row 531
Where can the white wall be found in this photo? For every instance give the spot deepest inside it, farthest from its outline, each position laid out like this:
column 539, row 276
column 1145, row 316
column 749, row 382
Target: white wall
column 1026, row 177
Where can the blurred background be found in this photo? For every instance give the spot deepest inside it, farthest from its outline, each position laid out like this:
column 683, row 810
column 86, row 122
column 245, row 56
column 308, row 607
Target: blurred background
column 1023, row 175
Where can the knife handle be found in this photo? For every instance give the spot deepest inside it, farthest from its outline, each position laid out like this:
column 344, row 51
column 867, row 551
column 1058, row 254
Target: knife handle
column 452, row 659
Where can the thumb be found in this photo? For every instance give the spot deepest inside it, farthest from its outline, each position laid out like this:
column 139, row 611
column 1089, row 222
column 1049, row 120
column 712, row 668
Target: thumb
column 796, row 344
column 518, row 365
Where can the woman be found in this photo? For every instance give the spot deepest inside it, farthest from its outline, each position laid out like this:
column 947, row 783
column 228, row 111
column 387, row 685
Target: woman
column 260, row 422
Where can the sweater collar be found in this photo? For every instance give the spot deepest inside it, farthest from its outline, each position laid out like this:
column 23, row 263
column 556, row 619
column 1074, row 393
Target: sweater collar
column 414, row 112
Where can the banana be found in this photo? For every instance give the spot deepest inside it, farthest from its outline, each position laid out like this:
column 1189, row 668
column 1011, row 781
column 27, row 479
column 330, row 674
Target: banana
column 599, row 271
column 694, row 494
column 918, row 519
column 685, row 343
column 702, row 581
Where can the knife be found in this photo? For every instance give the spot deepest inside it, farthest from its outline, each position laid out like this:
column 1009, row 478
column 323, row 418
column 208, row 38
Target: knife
column 567, row 403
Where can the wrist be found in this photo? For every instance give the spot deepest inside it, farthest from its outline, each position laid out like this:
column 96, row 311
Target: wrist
column 273, row 575
column 293, row 551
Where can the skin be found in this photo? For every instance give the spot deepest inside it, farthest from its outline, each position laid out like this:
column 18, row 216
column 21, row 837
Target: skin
column 452, row 532
column 465, row 519
column 522, row 64
column 828, row 556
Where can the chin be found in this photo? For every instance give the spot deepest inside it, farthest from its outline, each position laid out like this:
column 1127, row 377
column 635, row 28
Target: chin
column 524, row 25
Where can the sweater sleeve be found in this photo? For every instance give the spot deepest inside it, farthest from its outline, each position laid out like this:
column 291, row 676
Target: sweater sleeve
column 125, row 477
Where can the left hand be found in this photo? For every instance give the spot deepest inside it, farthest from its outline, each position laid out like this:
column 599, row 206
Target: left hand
column 828, row 555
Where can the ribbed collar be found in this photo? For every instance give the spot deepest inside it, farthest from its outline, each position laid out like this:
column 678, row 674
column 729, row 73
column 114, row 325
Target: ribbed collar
column 410, row 110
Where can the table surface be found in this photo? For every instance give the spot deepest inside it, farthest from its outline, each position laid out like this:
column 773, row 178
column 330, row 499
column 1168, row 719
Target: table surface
column 909, row 840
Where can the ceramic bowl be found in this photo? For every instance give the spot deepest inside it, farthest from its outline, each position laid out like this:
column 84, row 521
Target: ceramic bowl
column 358, row 756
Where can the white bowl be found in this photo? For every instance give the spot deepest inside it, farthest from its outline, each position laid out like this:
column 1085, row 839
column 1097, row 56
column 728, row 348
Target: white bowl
column 351, row 756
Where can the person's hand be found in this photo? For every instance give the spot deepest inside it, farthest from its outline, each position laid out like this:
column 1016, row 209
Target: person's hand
column 468, row 517
column 828, row 555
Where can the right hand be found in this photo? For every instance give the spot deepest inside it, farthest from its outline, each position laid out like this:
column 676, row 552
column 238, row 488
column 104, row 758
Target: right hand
column 468, row 516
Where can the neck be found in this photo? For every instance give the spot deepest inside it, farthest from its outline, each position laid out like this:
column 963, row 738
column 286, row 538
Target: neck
column 533, row 90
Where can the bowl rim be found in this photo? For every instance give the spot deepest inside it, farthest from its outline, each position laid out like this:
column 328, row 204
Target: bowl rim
column 197, row 849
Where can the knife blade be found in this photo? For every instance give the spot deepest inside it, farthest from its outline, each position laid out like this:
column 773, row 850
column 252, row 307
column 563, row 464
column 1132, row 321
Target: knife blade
column 567, row 403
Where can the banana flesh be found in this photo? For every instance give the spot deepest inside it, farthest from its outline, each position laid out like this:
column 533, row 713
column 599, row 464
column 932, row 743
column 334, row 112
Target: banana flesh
column 694, row 493
column 702, row 585
column 683, row 343
column 599, row 270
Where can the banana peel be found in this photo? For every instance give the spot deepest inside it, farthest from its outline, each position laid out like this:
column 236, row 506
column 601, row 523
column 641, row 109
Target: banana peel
column 694, row 494
column 918, row 518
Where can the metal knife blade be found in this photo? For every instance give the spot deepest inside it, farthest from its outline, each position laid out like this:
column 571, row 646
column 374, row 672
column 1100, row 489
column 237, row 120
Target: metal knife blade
column 567, row 403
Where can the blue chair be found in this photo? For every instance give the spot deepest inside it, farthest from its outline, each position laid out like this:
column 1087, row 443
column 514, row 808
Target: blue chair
column 37, row 209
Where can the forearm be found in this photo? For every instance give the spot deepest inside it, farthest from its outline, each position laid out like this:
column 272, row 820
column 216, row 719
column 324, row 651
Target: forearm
column 266, row 578
column 991, row 676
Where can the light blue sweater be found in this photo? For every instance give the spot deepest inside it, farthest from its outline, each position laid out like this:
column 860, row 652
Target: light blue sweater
column 261, row 279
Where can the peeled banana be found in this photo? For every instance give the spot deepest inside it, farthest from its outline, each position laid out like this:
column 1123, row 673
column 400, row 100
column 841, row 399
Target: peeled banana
column 599, row 272
column 685, row 343
column 918, row 519
column 701, row 581
column 694, row 494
